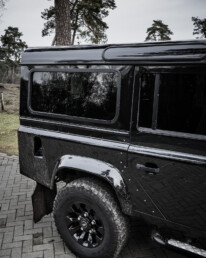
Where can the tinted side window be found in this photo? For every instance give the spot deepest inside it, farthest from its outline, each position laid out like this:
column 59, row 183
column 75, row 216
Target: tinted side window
column 181, row 102
column 81, row 94
column 146, row 100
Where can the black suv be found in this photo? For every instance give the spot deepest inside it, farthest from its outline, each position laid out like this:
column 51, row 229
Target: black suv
column 124, row 126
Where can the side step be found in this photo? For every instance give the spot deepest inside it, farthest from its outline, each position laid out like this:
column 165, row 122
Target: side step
column 177, row 244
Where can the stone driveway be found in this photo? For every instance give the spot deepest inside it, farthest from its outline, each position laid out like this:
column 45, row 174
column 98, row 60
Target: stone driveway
column 20, row 237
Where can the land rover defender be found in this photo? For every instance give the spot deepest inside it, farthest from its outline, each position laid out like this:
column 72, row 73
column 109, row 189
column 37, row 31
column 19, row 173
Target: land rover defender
column 124, row 127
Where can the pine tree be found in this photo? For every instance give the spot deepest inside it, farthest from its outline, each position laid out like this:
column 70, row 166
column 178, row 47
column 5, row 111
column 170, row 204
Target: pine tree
column 85, row 19
column 158, row 31
column 199, row 27
column 11, row 48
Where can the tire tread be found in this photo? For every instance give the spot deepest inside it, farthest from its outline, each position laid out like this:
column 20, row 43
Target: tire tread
column 96, row 188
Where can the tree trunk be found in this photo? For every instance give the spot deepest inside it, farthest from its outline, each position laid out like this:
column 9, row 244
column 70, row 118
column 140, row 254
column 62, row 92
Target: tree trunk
column 13, row 74
column 4, row 75
column 63, row 24
column 54, row 40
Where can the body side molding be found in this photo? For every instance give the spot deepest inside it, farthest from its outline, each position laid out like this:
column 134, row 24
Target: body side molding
column 123, row 146
column 167, row 154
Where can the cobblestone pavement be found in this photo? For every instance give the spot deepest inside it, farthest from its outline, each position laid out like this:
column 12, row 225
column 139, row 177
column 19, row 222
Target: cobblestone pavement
column 20, row 237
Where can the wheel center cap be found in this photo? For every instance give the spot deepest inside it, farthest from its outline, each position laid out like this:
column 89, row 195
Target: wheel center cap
column 84, row 223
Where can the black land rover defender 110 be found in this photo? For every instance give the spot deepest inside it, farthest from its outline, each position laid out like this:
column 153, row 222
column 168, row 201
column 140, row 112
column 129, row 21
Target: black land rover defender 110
column 124, row 126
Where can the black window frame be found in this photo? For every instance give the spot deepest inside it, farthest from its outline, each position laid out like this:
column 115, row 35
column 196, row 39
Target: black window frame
column 153, row 129
column 69, row 117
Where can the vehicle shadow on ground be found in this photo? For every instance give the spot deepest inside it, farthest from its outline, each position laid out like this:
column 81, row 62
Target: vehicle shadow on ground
column 140, row 244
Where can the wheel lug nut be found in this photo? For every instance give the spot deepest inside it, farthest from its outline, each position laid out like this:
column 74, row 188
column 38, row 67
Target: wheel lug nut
column 93, row 222
column 82, row 228
column 86, row 214
column 79, row 218
column 92, row 231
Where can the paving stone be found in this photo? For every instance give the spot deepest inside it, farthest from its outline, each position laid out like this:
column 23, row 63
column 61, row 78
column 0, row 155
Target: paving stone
column 47, row 232
column 6, row 229
column 8, row 237
column 11, row 217
column 19, row 230
column 32, row 231
column 59, row 248
column 38, row 254
column 11, row 245
column 14, row 223
column 3, row 222
column 21, row 238
column 42, row 247
column 5, row 252
column 65, row 256
column 27, row 246
column 49, row 253
column 28, row 224
column 37, row 239
column 1, row 239
column 16, row 252
column 51, row 239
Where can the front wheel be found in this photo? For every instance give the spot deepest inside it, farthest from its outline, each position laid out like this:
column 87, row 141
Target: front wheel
column 89, row 219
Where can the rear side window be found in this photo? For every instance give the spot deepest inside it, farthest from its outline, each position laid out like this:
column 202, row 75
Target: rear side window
column 146, row 100
column 178, row 100
column 80, row 94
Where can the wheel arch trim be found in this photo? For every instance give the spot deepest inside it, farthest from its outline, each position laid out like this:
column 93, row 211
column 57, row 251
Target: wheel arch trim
column 98, row 168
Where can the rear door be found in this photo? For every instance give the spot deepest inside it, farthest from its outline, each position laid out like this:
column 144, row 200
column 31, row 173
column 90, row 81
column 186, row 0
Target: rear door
column 167, row 155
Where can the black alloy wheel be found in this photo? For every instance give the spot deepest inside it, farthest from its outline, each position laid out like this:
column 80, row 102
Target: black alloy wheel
column 89, row 219
column 84, row 225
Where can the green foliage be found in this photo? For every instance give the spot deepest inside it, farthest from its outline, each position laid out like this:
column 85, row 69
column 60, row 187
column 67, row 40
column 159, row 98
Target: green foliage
column 12, row 45
column 49, row 25
column 86, row 20
column 199, row 27
column 8, row 102
column 10, row 53
column 158, row 31
column 2, row 53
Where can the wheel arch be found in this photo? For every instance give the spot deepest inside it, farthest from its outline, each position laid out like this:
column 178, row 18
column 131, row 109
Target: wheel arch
column 71, row 167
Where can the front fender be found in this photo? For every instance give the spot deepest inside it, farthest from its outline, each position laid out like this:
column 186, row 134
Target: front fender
column 97, row 168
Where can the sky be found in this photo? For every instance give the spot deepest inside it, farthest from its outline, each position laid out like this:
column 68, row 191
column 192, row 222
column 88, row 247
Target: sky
column 127, row 23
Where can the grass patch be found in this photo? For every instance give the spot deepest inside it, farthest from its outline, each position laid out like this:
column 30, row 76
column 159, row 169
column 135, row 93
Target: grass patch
column 8, row 102
column 9, row 124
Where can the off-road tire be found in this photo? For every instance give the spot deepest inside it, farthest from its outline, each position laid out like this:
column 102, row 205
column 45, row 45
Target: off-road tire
column 115, row 223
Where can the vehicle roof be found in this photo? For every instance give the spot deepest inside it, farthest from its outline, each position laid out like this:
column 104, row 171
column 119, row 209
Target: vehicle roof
column 136, row 53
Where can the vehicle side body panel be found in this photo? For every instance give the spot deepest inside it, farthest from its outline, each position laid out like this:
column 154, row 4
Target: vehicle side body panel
column 156, row 174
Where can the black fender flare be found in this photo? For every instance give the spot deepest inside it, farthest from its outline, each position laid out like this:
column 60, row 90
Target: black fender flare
column 100, row 169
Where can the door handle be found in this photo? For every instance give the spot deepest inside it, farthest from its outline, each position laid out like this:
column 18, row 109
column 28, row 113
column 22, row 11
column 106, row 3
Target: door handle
column 149, row 168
